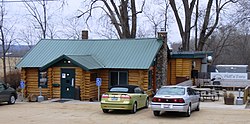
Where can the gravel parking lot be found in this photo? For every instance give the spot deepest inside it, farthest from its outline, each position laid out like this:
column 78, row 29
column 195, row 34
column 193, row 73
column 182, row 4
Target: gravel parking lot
column 76, row 112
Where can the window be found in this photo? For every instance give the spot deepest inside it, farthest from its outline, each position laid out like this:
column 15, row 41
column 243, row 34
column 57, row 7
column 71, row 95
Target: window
column 43, row 79
column 93, row 76
column 119, row 89
column 171, row 91
column 118, row 78
column 2, row 87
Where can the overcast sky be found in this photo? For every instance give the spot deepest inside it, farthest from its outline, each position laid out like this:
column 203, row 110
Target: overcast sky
column 17, row 13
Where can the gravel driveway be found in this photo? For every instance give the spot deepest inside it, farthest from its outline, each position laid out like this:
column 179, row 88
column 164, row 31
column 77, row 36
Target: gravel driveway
column 77, row 112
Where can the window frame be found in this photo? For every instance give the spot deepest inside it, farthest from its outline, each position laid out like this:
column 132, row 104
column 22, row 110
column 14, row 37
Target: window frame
column 118, row 75
column 39, row 79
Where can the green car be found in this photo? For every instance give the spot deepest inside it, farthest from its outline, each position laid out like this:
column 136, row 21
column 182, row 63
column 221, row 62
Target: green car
column 126, row 97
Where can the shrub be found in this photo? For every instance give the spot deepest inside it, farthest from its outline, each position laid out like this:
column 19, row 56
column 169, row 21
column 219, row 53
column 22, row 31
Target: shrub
column 13, row 79
column 231, row 95
column 225, row 94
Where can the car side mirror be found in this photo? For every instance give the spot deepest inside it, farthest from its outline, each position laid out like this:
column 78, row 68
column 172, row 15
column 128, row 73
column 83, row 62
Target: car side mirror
column 5, row 86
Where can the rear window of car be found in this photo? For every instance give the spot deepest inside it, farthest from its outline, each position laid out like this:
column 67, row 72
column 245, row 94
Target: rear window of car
column 119, row 89
column 171, row 91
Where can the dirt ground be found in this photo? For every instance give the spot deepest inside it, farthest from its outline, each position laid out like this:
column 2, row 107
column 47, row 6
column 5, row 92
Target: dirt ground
column 90, row 113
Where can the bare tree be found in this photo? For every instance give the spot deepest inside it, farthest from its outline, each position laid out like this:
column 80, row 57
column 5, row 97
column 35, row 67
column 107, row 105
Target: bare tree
column 185, row 30
column 209, row 21
column 158, row 18
column 39, row 11
column 28, row 36
column 72, row 28
column 6, row 37
column 40, row 17
column 122, row 14
column 207, row 30
column 242, row 12
column 106, row 29
column 222, row 39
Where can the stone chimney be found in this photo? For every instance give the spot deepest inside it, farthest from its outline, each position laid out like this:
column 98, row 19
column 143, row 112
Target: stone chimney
column 85, row 34
column 162, row 35
column 162, row 61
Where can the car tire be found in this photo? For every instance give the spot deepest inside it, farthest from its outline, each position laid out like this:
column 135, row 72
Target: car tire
column 105, row 110
column 198, row 107
column 156, row 113
column 12, row 99
column 188, row 113
column 147, row 103
column 134, row 108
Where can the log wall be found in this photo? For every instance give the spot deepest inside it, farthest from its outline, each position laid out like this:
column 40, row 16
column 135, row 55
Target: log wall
column 172, row 72
column 55, row 79
column 30, row 77
column 104, row 74
column 138, row 77
column 88, row 88
column 181, row 68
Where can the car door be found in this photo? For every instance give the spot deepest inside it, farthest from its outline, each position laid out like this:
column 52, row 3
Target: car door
column 1, row 90
column 139, row 97
column 3, row 93
column 195, row 98
column 191, row 96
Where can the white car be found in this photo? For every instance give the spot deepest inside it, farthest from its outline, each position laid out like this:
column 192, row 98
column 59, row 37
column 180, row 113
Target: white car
column 177, row 99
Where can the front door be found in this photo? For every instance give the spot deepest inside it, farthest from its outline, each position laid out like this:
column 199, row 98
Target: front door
column 67, row 83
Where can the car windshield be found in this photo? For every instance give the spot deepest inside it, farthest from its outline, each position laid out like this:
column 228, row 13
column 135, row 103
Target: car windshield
column 171, row 91
column 119, row 89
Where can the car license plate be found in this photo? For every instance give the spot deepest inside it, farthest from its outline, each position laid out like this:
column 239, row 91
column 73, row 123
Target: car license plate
column 165, row 106
column 114, row 98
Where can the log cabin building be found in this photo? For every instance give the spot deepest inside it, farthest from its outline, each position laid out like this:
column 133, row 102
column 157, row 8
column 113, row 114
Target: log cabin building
column 187, row 65
column 69, row 68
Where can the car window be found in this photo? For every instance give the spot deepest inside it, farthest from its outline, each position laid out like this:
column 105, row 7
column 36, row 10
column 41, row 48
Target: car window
column 194, row 92
column 191, row 91
column 171, row 91
column 1, row 82
column 2, row 87
column 137, row 90
column 119, row 89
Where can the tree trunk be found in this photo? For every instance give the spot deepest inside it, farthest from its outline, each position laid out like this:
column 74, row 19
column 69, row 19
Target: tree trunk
column 123, row 16
column 205, row 26
column 184, row 32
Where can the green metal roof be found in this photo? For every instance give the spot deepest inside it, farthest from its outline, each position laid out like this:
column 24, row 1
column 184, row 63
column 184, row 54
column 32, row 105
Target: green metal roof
column 194, row 54
column 86, row 62
column 94, row 54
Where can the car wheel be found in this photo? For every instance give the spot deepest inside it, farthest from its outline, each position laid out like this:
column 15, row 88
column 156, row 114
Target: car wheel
column 156, row 113
column 147, row 103
column 198, row 107
column 134, row 108
column 105, row 110
column 12, row 99
column 188, row 113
